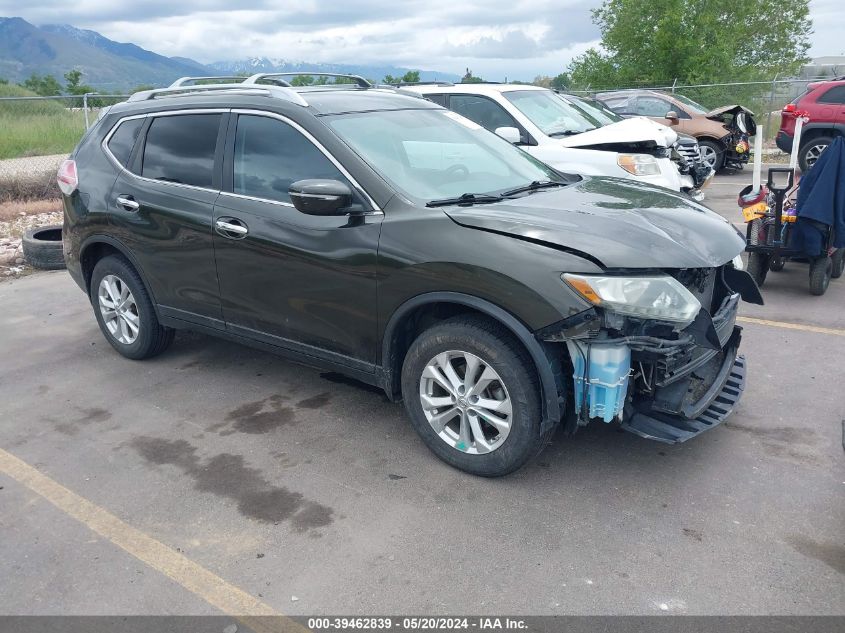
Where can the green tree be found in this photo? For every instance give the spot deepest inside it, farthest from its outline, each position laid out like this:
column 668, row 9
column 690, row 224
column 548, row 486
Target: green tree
column 3, row 81
column 410, row 77
column 302, row 80
column 469, row 78
column 654, row 42
column 45, row 86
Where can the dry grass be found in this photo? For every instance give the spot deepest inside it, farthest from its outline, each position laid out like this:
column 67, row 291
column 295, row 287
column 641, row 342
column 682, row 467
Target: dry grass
column 12, row 210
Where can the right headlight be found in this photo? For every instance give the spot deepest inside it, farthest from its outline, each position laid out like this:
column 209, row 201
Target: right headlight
column 655, row 297
column 638, row 164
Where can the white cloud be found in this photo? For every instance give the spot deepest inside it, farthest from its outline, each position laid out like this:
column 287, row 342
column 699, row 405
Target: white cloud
column 517, row 39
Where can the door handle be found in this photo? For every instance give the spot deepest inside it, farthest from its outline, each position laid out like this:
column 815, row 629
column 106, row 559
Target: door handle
column 128, row 203
column 231, row 228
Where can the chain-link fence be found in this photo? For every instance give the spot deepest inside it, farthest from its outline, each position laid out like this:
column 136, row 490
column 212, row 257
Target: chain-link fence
column 36, row 133
column 764, row 98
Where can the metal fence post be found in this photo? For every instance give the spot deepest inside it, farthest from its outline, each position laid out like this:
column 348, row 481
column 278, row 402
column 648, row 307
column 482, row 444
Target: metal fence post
column 674, row 83
column 771, row 105
column 85, row 108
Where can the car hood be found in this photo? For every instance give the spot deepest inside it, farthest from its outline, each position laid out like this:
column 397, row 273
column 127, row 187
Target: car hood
column 719, row 114
column 636, row 130
column 615, row 222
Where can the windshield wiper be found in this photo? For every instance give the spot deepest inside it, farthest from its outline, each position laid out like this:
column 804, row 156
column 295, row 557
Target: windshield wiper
column 533, row 186
column 465, row 198
column 570, row 132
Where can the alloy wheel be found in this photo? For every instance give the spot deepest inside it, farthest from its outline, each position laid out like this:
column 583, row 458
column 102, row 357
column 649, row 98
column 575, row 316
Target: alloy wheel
column 466, row 402
column 119, row 309
column 709, row 156
column 813, row 152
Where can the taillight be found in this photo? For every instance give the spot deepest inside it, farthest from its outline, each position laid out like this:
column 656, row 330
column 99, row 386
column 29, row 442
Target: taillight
column 790, row 107
column 67, row 179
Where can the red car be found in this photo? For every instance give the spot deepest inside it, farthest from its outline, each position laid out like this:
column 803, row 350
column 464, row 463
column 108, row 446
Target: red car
column 824, row 102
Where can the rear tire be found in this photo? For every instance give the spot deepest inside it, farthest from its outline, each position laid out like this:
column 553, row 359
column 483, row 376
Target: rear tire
column 810, row 151
column 124, row 311
column 838, row 263
column 820, row 274
column 481, row 393
column 758, row 267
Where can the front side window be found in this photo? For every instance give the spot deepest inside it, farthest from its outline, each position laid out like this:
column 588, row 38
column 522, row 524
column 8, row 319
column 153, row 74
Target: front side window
column 550, row 113
column 693, row 106
column 180, row 149
column 270, row 155
column 487, row 113
column 435, row 154
column 123, row 139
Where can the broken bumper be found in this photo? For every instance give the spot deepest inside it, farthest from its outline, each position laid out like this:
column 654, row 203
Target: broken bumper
column 711, row 410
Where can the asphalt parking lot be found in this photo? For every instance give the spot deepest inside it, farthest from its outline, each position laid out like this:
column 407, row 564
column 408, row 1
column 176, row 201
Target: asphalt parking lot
column 302, row 492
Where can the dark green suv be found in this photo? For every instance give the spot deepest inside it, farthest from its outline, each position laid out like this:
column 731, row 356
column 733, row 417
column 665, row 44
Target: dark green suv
column 380, row 235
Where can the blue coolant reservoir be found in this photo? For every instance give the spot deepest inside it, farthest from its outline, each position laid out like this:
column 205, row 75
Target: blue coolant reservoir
column 601, row 374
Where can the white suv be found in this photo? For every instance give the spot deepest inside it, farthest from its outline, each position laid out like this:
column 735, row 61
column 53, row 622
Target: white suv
column 550, row 128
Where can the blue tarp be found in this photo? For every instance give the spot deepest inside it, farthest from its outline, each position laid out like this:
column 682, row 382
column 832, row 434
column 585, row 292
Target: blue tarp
column 821, row 202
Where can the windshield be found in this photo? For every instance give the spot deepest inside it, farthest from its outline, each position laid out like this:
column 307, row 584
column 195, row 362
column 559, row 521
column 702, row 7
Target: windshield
column 550, row 113
column 436, row 154
column 696, row 107
column 594, row 109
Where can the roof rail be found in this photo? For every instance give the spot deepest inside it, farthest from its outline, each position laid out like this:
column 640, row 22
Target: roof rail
column 278, row 92
column 360, row 81
column 182, row 81
column 402, row 84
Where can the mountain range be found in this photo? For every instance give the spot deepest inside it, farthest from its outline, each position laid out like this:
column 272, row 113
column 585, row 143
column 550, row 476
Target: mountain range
column 109, row 66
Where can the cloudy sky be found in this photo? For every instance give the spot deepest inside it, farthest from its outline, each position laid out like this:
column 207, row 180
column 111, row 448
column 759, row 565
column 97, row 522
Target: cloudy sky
column 496, row 38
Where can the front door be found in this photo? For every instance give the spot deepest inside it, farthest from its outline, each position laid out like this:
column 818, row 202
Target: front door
column 299, row 281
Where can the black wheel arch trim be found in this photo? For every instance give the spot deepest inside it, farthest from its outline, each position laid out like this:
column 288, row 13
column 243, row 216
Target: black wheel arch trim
column 822, row 129
column 93, row 240
column 551, row 390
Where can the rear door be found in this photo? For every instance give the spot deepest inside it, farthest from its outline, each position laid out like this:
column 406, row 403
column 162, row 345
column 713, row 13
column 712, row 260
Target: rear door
column 302, row 282
column 161, row 208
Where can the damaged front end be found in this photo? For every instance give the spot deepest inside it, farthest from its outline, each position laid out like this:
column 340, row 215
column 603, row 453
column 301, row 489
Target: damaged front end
column 739, row 121
column 658, row 354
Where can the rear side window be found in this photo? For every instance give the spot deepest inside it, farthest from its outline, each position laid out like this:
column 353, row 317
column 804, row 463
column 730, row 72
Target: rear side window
column 181, row 148
column 834, row 95
column 271, row 155
column 123, row 140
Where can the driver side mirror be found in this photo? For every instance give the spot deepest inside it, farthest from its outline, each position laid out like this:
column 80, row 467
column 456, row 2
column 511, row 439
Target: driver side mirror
column 510, row 134
column 320, row 197
column 673, row 117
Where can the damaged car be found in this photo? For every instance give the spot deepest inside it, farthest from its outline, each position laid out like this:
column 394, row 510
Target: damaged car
column 552, row 128
column 722, row 133
column 379, row 235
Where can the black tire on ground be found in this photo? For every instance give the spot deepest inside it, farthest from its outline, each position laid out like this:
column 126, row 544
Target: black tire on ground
column 777, row 263
column 42, row 247
column 758, row 267
column 838, row 263
column 804, row 162
column 720, row 153
column 820, row 272
column 152, row 338
column 496, row 347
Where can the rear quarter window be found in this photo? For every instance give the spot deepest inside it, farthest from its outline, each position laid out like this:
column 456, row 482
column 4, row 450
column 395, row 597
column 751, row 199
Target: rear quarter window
column 180, row 149
column 123, row 139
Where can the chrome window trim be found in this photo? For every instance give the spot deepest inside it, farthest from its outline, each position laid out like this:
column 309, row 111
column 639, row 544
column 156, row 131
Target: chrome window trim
column 146, row 115
column 376, row 210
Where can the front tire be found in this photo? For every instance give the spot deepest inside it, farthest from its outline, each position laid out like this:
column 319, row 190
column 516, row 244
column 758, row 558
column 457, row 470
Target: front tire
column 473, row 396
column 124, row 311
column 713, row 154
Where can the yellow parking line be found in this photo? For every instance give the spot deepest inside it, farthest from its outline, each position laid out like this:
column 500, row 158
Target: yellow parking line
column 193, row 577
column 794, row 326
